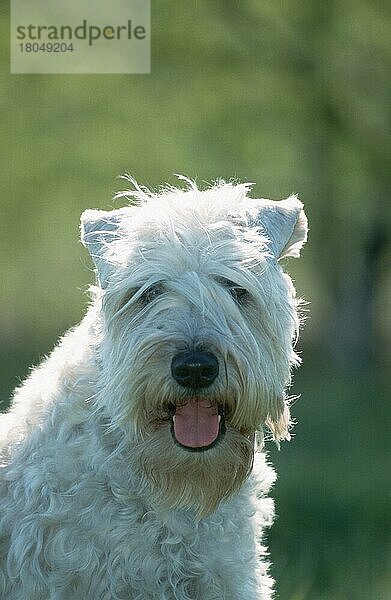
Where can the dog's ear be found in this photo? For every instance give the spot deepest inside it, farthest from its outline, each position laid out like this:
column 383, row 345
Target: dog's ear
column 99, row 229
column 285, row 226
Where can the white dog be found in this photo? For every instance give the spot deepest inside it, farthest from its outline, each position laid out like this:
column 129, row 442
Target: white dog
column 127, row 465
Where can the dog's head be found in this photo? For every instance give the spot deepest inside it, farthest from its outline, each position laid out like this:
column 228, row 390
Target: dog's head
column 197, row 326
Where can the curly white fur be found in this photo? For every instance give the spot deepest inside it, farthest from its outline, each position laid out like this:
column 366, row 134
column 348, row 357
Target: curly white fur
column 96, row 498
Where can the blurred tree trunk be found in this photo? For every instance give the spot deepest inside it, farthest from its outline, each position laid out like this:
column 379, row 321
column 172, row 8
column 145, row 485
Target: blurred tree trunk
column 350, row 253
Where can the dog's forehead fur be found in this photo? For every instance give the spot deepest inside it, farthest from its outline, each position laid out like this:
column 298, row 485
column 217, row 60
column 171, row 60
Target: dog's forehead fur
column 172, row 238
column 182, row 230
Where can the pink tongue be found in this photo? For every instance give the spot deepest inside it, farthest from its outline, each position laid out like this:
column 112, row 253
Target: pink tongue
column 196, row 424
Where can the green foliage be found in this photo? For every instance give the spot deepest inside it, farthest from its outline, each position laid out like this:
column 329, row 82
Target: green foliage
column 331, row 539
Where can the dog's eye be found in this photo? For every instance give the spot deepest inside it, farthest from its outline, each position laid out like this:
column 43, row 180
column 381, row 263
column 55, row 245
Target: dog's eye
column 239, row 294
column 145, row 298
column 127, row 297
column 151, row 293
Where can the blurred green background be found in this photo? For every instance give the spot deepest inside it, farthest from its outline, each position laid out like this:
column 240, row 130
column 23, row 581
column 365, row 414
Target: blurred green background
column 294, row 96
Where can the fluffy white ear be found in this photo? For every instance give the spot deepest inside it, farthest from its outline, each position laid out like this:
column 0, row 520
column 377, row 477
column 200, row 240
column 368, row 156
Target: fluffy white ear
column 285, row 225
column 98, row 229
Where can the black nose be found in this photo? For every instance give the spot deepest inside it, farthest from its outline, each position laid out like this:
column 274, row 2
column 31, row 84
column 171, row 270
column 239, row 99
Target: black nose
column 195, row 369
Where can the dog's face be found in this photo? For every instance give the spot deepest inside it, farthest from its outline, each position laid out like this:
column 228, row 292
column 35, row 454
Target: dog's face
column 197, row 323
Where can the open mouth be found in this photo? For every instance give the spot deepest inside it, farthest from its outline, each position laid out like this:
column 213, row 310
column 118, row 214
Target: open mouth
column 197, row 425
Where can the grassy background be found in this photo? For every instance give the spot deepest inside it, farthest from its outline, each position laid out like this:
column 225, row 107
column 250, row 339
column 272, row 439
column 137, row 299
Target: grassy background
column 294, row 96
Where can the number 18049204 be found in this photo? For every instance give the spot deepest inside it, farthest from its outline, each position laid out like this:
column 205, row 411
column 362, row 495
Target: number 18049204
column 46, row 47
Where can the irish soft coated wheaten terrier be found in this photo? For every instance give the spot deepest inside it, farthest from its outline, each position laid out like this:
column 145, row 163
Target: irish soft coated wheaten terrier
column 131, row 463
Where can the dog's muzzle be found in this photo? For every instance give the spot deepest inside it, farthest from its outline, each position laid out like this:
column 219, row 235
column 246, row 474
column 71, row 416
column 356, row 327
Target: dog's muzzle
column 198, row 422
